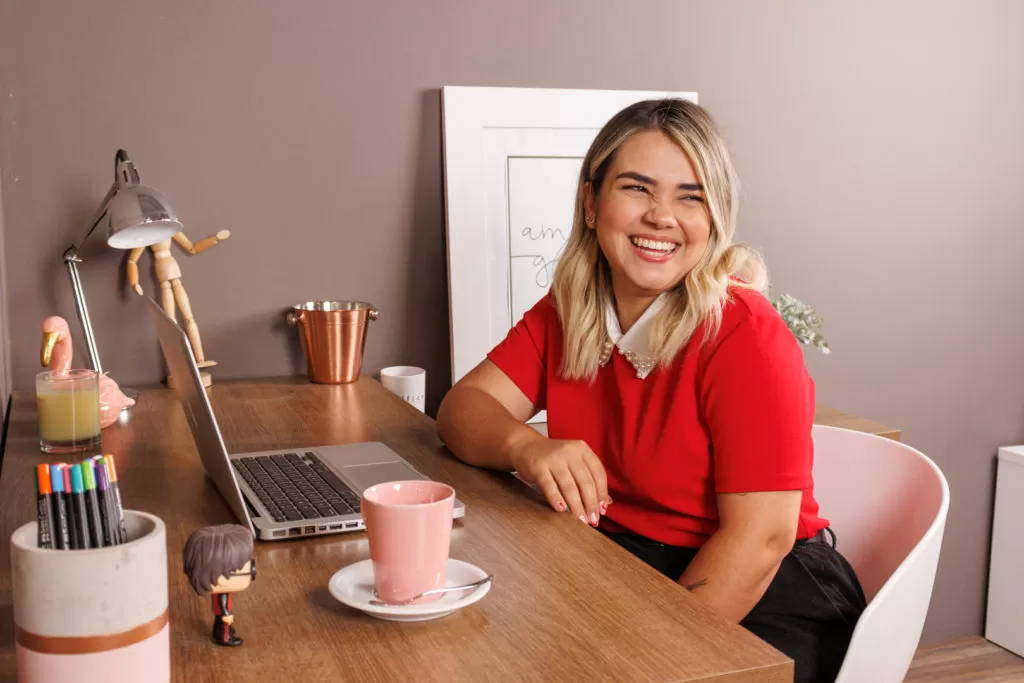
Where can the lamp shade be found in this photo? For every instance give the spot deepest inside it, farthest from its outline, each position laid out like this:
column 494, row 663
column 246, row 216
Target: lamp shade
column 139, row 216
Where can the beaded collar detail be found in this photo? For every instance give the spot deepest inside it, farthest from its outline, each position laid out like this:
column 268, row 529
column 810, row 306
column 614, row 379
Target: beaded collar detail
column 635, row 344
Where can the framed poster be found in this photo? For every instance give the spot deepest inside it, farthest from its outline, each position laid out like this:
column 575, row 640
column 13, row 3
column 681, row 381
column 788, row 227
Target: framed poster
column 511, row 163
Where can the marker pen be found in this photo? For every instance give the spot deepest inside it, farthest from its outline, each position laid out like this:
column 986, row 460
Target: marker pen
column 81, row 516
column 92, row 505
column 65, row 470
column 61, row 540
column 104, row 495
column 118, row 507
column 108, row 497
column 44, row 507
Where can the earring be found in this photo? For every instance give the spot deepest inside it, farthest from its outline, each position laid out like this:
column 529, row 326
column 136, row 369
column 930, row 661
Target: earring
column 590, row 220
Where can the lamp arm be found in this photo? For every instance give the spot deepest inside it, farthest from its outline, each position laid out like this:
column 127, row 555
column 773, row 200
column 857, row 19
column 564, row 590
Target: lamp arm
column 71, row 261
column 100, row 213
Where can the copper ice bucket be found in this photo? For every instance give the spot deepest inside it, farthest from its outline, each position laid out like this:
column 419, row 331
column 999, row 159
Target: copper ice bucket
column 333, row 334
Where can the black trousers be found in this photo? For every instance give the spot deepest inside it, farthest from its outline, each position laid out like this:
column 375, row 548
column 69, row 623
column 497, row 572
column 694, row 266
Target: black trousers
column 809, row 610
column 222, row 632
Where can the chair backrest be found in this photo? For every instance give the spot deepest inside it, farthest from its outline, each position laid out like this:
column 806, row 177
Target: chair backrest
column 887, row 503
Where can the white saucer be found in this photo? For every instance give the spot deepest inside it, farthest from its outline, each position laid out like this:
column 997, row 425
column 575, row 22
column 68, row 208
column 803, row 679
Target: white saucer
column 353, row 586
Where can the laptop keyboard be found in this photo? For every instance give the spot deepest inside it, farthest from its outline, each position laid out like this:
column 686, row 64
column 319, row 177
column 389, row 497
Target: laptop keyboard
column 292, row 489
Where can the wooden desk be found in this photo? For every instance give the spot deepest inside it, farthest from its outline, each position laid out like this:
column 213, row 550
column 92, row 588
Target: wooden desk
column 836, row 418
column 567, row 604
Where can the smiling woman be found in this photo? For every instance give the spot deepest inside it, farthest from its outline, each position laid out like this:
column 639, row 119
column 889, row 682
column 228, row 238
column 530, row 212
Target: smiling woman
column 673, row 388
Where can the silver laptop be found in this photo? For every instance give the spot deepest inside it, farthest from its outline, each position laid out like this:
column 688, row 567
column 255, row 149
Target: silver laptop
column 284, row 493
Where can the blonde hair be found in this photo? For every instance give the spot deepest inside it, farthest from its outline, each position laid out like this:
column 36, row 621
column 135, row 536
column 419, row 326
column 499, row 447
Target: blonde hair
column 582, row 286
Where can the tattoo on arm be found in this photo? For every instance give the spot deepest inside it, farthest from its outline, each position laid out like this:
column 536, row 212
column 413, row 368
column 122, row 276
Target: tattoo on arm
column 697, row 584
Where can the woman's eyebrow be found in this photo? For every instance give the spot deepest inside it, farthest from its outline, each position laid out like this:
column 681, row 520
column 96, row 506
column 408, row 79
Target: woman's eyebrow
column 646, row 180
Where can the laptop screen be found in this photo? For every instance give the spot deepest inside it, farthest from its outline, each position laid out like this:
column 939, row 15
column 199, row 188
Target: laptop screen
column 181, row 363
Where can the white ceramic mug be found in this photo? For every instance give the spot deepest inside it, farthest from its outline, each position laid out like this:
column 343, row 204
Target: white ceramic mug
column 407, row 381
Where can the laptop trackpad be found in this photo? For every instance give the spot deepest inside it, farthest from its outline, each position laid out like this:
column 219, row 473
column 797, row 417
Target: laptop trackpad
column 363, row 477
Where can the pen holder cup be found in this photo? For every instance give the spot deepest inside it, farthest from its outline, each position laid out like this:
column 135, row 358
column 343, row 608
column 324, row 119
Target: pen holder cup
column 92, row 616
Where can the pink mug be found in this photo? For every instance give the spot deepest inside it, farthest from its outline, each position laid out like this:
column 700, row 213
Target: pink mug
column 409, row 528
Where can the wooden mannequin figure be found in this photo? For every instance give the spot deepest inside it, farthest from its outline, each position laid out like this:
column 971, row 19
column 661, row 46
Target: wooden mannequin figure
column 173, row 295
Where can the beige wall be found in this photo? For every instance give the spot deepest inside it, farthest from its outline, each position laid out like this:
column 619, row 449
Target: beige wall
column 880, row 144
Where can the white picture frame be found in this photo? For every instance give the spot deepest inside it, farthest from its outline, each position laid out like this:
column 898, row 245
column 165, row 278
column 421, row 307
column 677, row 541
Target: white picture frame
column 511, row 163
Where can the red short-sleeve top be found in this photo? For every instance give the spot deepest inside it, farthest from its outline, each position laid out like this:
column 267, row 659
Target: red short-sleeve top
column 731, row 415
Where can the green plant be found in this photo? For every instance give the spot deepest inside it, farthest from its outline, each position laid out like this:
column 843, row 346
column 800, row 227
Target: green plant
column 803, row 321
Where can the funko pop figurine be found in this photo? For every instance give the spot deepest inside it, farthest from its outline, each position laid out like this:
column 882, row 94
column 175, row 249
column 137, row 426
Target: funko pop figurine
column 218, row 561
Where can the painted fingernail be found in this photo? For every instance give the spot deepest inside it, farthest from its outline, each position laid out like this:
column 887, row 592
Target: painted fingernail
column 604, row 508
column 593, row 518
column 583, row 519
column 560, row 507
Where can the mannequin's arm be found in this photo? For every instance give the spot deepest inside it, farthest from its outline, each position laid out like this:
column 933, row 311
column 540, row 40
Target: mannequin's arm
column 133, row 269
column 203, row 245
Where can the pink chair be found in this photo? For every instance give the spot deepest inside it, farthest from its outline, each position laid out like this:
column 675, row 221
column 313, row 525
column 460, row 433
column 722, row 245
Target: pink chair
column 887, row 503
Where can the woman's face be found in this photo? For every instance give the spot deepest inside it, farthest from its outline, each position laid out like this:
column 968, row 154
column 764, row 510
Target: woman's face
column 652, row 220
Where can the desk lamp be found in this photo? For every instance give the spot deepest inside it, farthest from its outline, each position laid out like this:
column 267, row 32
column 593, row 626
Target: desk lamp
column 133, row 215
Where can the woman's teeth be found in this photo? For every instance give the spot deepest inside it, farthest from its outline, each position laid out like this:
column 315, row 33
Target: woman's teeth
column 653, row 245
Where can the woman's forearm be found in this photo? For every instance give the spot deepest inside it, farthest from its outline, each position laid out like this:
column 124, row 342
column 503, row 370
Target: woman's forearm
column 479, row 430
column 732, row 571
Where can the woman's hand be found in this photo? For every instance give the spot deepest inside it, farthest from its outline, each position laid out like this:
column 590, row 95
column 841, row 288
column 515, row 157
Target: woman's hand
column 568, row 473
column 482, row 420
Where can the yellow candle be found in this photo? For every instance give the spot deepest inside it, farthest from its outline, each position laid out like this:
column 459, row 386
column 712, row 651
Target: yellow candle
column 69, row 410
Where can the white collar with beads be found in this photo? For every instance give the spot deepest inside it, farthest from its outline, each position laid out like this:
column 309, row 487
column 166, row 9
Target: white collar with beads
column 635, row 345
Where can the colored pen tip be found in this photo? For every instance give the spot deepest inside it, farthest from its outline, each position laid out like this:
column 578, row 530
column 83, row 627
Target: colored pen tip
column 88, row 475
column 43, row 479
column 101, row 463
column 56, row 478
column 111, row 468
column 77, row 483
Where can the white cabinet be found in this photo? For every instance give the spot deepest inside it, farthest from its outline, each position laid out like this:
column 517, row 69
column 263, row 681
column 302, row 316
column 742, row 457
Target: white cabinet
column 1004, row 621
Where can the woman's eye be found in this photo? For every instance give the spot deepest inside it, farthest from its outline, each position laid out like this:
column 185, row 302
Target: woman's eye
column 636, row 188
column 692, row 198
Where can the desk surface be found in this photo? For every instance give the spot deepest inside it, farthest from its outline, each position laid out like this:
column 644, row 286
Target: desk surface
column 836, row 418
column 566, row 604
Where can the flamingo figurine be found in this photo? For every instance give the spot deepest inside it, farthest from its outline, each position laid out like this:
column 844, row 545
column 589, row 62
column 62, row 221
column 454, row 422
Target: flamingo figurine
column 56, row 355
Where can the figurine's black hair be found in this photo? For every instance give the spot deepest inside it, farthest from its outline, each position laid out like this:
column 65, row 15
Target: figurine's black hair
column 213, row 552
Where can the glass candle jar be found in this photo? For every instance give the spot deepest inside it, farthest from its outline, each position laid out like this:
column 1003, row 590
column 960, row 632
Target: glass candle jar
column 69, row 410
